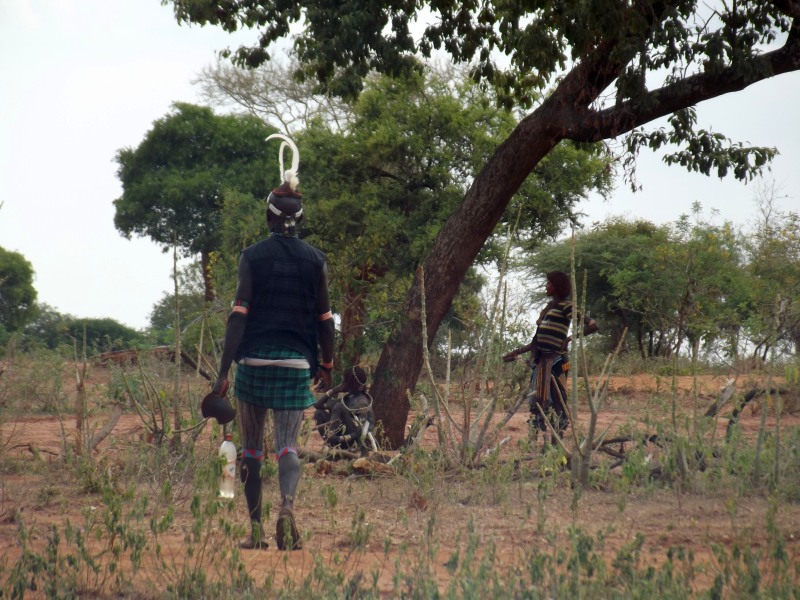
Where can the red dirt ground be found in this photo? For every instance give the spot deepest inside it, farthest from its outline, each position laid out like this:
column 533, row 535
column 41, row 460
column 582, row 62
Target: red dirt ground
column 399, row 512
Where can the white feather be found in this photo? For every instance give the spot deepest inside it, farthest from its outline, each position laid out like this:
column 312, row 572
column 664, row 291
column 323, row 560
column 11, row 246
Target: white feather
column 290, row 175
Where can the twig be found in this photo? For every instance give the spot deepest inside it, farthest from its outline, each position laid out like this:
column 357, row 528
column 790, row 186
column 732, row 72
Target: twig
column 196, row 427
column 725, row 395
column 501, row 287
column 549, row 425
column 614, row 453
column 585, row 448
column 34, row 450
column 191, row 362
column 437, row 404
column 103, row 433
column 509, row 414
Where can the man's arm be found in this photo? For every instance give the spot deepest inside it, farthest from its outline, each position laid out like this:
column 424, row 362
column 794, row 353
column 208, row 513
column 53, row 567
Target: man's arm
column 234, row 329
column 325, row 333
column 521, row 350
column 590, row 326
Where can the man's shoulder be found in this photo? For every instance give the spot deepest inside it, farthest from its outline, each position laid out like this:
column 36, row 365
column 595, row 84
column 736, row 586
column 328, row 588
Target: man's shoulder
column 306, row 244
column 253, row 247
column 309, row 249
column 277, row 243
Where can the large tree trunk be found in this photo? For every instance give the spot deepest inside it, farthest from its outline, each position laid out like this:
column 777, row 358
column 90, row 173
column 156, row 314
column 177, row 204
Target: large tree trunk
column 445, row 266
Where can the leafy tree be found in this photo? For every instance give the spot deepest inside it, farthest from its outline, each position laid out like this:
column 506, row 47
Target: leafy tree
column 774, row 263
column 162, row 317
column 102, row 335
column 17, row 294
column 380, row 190
column 715, row 288
column 174, row 182
column 52, row 329
column 48, row 328
column 612, row 66
column 196, row 315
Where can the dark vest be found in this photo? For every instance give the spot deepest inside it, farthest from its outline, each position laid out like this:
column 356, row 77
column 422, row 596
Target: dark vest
column 286, row 273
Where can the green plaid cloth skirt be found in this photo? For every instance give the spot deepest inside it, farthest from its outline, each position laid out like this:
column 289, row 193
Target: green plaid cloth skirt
column 280, row 388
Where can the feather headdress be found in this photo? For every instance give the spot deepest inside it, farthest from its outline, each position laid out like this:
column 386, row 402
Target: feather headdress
column 288, row 176
column 285, row 201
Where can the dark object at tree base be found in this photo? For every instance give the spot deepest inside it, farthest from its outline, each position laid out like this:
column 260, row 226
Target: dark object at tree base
column 286, row 533
column 217, row 407
column 347, row 423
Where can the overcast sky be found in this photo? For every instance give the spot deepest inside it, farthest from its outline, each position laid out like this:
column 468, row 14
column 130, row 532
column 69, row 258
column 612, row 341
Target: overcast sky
column 82, row 79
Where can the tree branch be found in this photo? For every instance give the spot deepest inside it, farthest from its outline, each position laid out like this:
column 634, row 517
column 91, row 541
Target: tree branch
column 791, row 8
column 116, row 413
column 622, row 118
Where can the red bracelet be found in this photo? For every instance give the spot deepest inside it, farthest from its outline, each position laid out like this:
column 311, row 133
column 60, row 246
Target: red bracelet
column 326, row 365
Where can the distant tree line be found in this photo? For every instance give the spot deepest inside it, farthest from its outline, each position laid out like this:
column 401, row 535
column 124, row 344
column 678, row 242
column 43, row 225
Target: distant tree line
column 691, row 286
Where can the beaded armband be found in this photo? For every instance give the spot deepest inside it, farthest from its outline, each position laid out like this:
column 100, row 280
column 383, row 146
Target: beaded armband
column 240, row 307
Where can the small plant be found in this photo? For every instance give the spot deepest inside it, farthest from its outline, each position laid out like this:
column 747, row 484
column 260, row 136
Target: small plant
column 360, row 529
column 46, row 494
column 496, row 476
column 38, row 382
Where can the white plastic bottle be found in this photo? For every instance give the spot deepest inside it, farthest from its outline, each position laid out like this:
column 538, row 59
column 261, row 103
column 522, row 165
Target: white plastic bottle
column 227, row 453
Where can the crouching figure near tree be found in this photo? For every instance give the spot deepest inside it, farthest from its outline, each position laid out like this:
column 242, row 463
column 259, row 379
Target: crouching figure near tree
column 548, row 399
column 347, row 422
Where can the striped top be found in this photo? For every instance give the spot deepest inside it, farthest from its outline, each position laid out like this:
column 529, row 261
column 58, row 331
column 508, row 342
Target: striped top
column 554, row 327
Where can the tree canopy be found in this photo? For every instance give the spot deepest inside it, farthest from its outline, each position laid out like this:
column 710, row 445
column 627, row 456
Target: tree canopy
column 381, row 177
column 53, row 330
column 101, row 335
column 380, row 189
column 17, row 294
column 174, row 182
column 692, row 285
column 47, row 329
column 608, row 67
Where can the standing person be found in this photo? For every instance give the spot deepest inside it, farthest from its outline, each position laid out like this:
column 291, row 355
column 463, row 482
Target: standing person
column 549, row 356
column 281, row 317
